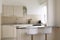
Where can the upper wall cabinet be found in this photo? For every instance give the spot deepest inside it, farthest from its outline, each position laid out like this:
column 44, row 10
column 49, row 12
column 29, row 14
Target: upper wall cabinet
column 18, row 11
column 7, row 11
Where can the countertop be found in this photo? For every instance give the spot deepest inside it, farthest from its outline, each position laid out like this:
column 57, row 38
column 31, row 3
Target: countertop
column 24, row 26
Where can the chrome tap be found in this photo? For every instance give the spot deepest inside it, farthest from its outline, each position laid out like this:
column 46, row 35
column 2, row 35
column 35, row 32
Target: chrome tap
column 29, row 21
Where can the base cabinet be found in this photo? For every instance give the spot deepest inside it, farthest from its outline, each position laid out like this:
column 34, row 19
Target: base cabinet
column 8, row 32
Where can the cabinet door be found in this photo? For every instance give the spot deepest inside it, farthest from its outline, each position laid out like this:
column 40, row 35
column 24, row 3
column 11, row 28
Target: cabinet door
column 21, row 35
column 8, row 31
column 18, row 11
column 7, row 10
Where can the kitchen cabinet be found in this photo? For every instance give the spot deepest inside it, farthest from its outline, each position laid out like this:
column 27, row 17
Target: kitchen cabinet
column 11, row 14
column 7, row 10
column 21, row 35
column 18, row 11
column 8, row 31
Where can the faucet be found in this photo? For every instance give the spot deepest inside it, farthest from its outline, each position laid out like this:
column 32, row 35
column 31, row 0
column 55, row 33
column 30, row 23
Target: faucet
column 29, row 21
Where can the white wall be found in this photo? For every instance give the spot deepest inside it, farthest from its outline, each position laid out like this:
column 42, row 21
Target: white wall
column 51, row 13
column 0, row 16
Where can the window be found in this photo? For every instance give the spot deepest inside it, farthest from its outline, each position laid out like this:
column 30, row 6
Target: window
column 43, row 12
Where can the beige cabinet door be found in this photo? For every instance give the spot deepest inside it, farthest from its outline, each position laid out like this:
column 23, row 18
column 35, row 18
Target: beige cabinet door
column 21, row 34
column 7, row 10
column 18, row 11
column 8, row 31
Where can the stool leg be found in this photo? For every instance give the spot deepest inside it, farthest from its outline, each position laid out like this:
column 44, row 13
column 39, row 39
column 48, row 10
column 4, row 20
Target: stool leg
column 31, row 37
column 45, row 36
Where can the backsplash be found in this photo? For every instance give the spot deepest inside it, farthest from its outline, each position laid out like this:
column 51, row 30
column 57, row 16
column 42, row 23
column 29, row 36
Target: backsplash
column 18, row 20
column 6, row 20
